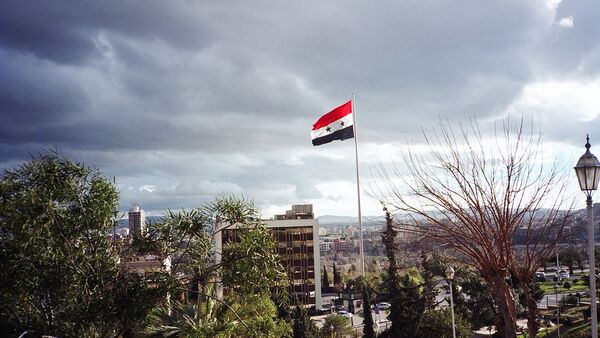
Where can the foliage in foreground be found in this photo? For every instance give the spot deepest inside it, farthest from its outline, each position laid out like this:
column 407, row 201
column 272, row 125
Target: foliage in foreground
column 438, row 324
column 303, row 326
column 60, row 274
column 336, row 326
column 368, row 331
column 249, row 270
column 58, row 270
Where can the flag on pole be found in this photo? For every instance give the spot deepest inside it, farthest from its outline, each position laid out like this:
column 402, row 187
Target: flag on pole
column 335, row 125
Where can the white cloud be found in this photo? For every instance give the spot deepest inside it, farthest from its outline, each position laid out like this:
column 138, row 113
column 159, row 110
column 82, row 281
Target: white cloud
column 561, row 100
column 339, row 197
column 147, row 187
column 552, row 4
column 566, row 22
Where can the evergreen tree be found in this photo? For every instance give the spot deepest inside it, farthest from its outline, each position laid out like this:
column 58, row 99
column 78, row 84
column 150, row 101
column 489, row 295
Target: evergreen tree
column 368, row 331
column 438, row 324
column 303, row 326
column 480, row 308
column 325, row 280
column 392, row 284
column 337, row 279
column 412, row 303
column 405, row 292
column 337, row 327
column 570, row 257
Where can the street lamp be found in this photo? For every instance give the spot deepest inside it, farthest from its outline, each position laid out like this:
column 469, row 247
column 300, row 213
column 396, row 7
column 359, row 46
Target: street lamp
column 588, row 175
column 557, row 309
column 450, row 277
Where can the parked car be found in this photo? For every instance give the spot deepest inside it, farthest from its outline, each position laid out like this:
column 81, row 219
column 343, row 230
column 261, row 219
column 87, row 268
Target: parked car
column 344, row 314
column 540, row 277
column 384, row 306
column 563, row 274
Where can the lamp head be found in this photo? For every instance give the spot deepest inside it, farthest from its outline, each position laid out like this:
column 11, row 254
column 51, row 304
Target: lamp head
column 450, row 273
column 588, row 170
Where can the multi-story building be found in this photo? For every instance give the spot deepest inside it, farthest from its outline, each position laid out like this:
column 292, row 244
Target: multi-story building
column 137, row 221
column 343, row 246
column 324, row 247
column 144, row 265
column 297, row 241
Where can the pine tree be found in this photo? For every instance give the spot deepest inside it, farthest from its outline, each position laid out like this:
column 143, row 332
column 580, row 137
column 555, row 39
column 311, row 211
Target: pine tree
column 303, row 326
column 325, row 280
column 407, row 302
column 337, row 279
column 392, row 283
column 368, row 331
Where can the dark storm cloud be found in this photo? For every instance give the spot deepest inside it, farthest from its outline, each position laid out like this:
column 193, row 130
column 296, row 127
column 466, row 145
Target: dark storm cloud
column 64, row 31
column 35, row 99
column 182, row 100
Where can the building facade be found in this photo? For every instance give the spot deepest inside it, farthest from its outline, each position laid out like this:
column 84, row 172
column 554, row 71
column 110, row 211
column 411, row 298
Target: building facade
column 137, row 221
column 297, row 242
column 296, row 235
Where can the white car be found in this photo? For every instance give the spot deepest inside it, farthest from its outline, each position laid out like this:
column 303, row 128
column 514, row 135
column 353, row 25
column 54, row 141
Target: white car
column 384, row 306
column 563, row 274
column 344, row 314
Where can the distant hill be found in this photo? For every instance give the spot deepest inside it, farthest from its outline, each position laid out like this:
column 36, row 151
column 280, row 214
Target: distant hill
column 328, row 219
column 349, row 220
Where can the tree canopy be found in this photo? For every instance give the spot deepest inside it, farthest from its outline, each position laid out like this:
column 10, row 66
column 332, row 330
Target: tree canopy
column 473, row 193
column 59, row 272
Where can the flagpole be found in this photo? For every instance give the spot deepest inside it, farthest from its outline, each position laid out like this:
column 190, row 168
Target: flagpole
column 360, row 229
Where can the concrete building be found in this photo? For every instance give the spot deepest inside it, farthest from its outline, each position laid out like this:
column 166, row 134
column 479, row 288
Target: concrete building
column 343, row 246
column 296, row 234
column 298, row 211
column 145, row 266
column 137, row 221
column 324, row 247
column 298, row 245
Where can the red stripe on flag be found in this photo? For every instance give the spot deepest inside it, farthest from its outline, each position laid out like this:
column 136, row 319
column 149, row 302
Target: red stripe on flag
column 333, row 115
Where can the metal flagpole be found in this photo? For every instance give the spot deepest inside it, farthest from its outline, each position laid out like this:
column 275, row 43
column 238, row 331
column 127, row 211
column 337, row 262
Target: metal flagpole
column 360, row 229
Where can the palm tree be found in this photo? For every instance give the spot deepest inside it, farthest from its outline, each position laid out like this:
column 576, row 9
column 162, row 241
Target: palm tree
column 181, row 320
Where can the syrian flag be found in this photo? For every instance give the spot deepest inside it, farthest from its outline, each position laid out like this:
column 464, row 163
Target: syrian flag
column 335, row 125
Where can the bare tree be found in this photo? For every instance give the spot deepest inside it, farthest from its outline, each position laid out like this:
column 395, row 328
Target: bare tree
column 473, row 194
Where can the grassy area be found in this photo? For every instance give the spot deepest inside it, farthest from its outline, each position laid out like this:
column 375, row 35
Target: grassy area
column 542, row 333
column 548, row 287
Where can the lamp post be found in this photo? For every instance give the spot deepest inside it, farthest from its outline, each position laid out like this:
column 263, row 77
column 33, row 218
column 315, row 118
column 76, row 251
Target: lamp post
column 557, row 309
column 450, row 277
column 588, row 175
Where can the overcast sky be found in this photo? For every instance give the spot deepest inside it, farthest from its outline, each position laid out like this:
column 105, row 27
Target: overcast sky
column 182, row 100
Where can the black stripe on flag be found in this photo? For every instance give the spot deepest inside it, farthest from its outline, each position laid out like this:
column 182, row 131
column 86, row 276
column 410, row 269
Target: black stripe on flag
column 342, row 134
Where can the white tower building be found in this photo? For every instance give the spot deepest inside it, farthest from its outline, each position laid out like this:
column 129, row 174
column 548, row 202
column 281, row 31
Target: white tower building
column 137, row 221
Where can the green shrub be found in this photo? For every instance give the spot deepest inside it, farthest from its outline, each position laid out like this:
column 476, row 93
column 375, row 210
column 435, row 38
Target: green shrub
column 570, row 300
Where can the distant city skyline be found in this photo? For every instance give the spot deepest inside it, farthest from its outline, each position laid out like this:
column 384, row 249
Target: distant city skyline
column 181, row 101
